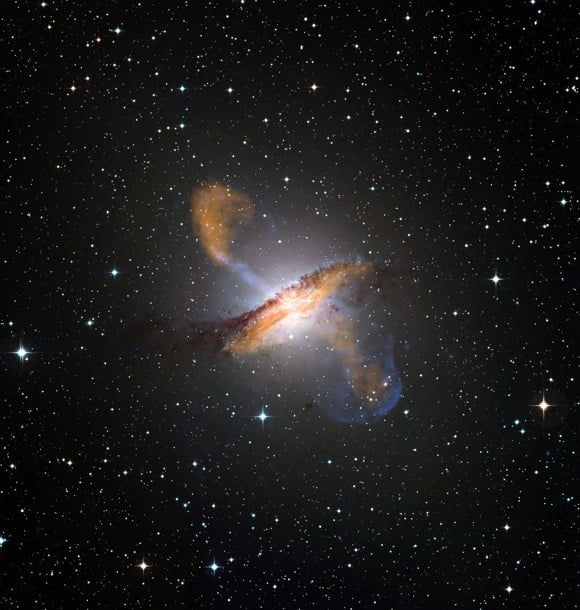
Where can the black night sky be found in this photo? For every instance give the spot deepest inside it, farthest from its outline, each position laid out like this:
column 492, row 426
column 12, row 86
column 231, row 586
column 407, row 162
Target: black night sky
column 145, row 466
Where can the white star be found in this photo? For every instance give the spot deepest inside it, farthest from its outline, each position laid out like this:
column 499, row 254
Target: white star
column 143, row 565
column 114, row 272
column 496, row 279
column 117, row 30
column 263, row 417
column 314, row 87
column 544, row 405
column 214, row 567
column 2, row 541
column 509, row 589
column 21, row 353
column 506, row 527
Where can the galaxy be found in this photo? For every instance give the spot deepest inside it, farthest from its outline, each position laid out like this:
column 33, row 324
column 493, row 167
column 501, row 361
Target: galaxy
column 289, row 313
column 323, row 303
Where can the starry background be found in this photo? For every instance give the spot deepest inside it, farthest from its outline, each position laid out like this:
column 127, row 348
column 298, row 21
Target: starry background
column 436, row 138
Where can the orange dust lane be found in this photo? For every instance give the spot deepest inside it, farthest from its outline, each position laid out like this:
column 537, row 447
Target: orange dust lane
column 298, row 302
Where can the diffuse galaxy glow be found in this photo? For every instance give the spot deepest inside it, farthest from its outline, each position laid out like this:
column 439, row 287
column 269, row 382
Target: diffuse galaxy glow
column 328, row 300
